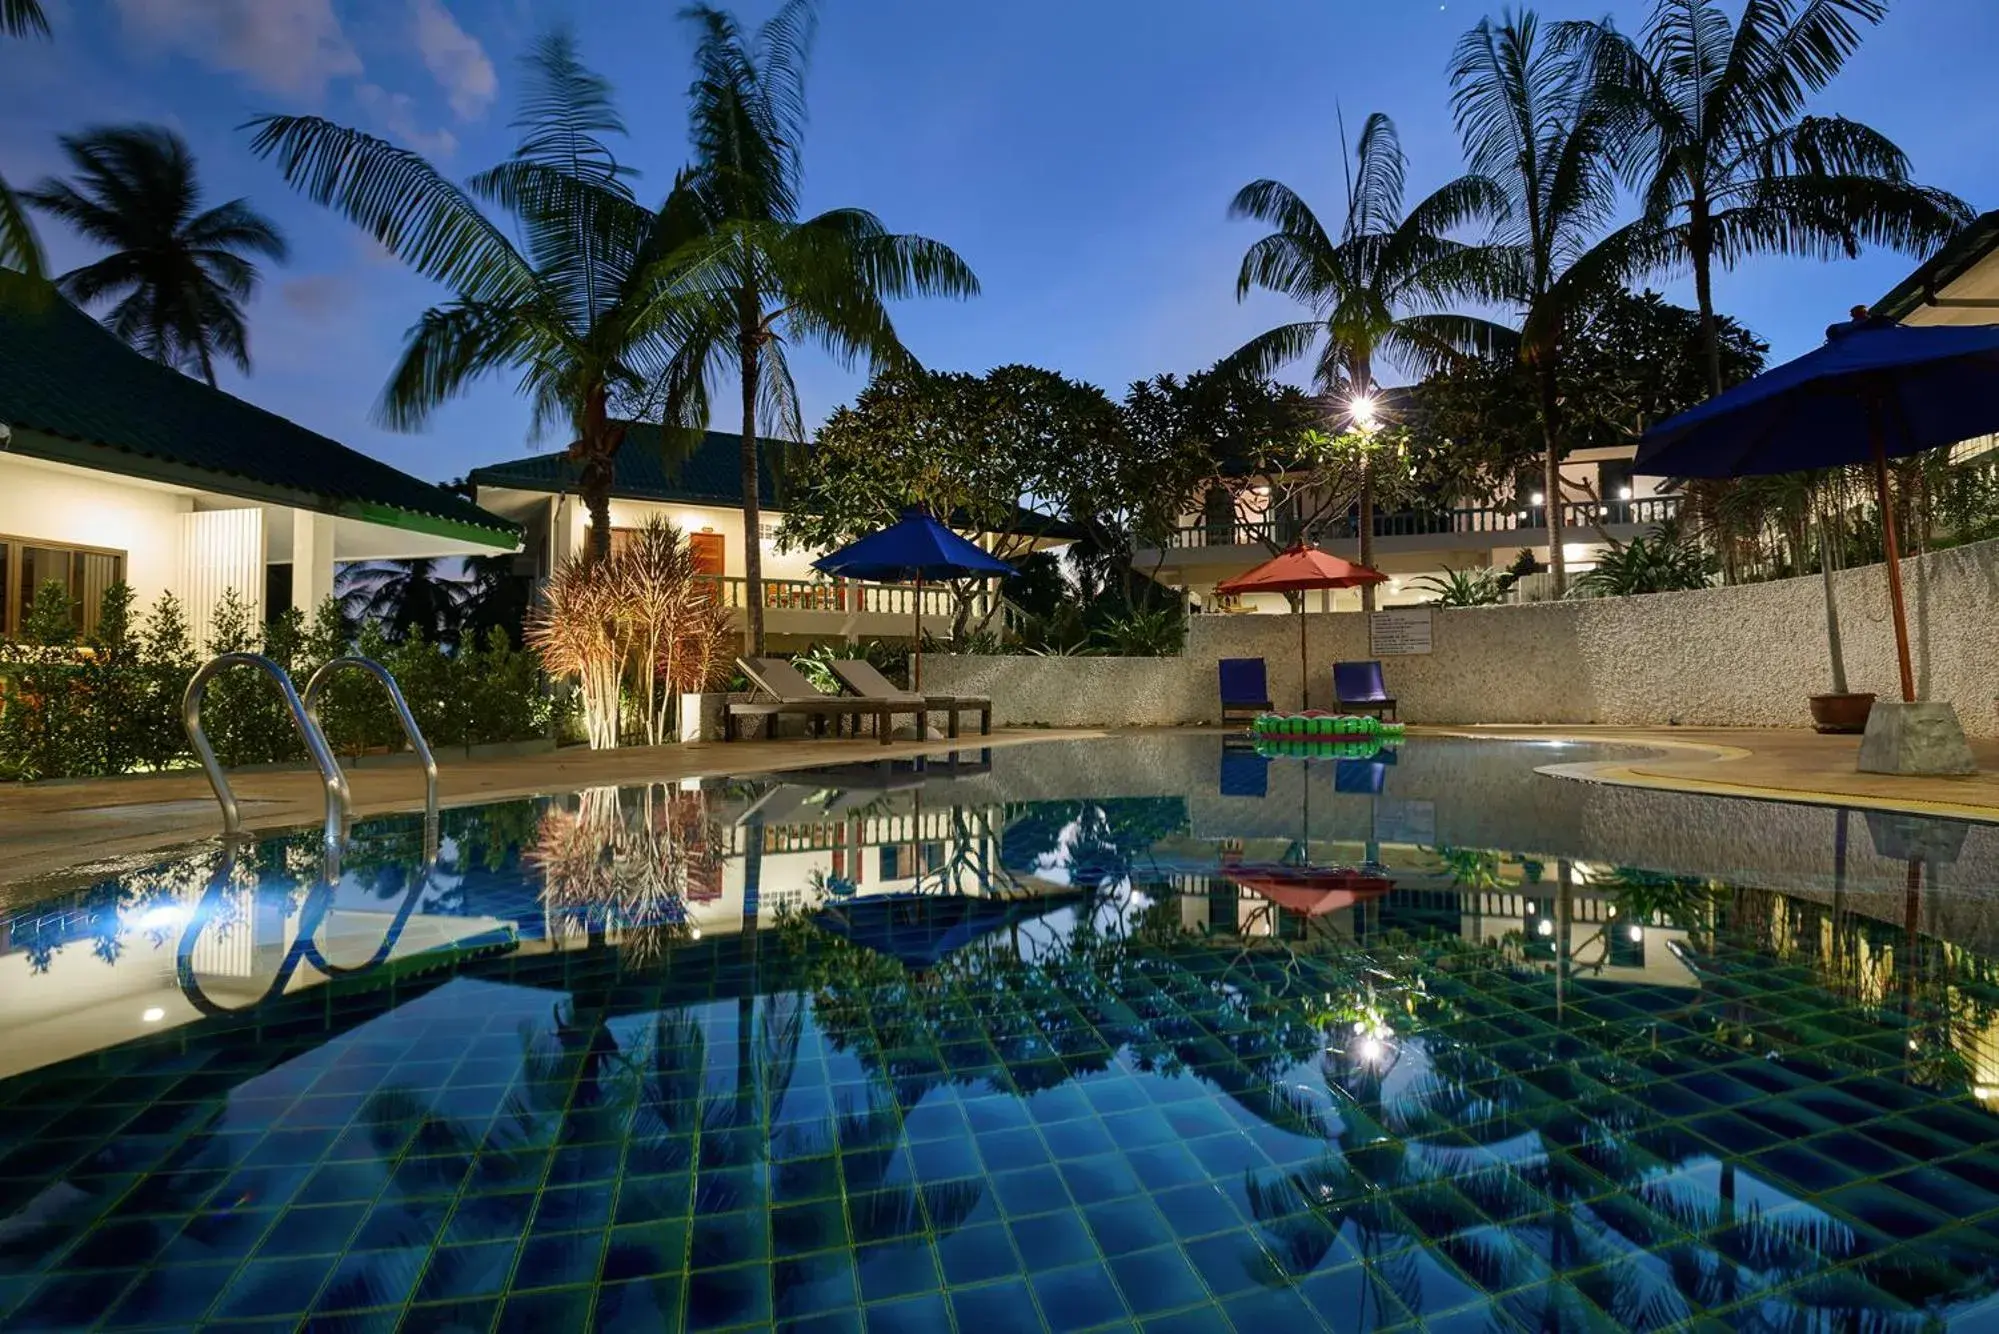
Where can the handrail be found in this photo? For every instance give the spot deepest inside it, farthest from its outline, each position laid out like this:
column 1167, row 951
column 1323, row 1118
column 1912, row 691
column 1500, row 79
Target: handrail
column 338, row 801
column 317, row 686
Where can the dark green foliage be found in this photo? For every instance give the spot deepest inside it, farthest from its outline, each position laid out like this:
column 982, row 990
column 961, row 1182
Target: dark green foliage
column 41, row 732
column 1662, row 563
column 1146, row 632
column 1481, row 586
column 112, row 704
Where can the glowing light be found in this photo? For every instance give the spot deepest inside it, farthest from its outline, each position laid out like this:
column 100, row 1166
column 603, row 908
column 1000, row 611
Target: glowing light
column 1371, row 1050
column 1637, row 933
column 1545, row 927
column 1364, row 410
column 694, row 933
column 1624, row 493
column 163, row 918
column 1538, row 498
column 154, row 1015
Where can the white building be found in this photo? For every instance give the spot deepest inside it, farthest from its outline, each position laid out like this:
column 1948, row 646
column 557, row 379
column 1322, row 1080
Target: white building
column 702, row 496
column 113, row 467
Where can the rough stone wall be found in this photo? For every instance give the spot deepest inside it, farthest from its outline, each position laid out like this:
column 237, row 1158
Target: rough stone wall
column 1721, row 657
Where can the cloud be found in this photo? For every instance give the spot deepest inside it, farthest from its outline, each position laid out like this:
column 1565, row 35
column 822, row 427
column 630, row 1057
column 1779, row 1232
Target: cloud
column 284, row 46
column 316, row 295
column 455, row 59
column 396, row 113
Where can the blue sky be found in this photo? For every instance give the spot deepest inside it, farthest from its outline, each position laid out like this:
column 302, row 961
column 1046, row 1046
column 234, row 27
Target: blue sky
column 1079, row 153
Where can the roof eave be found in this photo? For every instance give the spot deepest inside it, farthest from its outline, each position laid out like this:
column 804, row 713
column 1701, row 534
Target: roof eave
column 1942, row 269
column 98, row 457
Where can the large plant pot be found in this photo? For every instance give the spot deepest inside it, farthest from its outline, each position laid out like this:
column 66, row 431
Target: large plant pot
column 1841, row 713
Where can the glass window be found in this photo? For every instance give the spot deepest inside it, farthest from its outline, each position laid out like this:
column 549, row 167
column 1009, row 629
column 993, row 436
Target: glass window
column 83, row 576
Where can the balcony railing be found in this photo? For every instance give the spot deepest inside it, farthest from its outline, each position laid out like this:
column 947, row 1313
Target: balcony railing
column 1581, row 515
column 835, row 595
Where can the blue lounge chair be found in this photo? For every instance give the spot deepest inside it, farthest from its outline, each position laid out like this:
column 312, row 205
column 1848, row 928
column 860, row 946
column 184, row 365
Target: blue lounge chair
column 1244, row 773
column 1359, row 688
column 1245, row 691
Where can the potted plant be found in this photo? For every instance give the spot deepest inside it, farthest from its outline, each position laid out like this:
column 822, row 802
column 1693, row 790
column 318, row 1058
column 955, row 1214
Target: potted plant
column 1841, row 710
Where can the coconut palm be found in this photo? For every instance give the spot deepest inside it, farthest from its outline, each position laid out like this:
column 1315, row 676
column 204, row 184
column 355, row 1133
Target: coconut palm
column 404, row 596
column 1360, row 280
column 1535, row 132
column 760, row 276
column 18, row 246
column 180, row 274
column 1709, row 126
column 579, row 310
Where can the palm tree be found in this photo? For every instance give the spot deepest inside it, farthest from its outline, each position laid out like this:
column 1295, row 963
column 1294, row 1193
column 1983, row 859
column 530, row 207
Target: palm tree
column 580, row 310
column 1359, row 285
column 1534, row 131
column 759, row 276
column 404, row 595
column 18, row 246
column 1710, row 131
column 180, row 273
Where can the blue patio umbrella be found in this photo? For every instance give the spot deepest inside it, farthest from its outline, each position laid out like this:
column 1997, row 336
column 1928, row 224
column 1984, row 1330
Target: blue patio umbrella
column 1875, row 391
column 917, row 548
column 917, row 929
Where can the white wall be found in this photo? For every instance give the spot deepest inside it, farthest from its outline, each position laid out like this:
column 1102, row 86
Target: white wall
column 1745, row 656
column 64, row 505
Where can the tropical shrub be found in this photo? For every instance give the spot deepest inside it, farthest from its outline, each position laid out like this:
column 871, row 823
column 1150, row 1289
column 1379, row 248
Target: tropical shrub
column 109, row 703
column 633, row 629
column 1662, row 563
column 1481, row 586
column 1148, row 632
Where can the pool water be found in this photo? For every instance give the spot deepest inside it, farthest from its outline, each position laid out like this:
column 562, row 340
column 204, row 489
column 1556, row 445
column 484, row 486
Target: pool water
column 1141, row 1033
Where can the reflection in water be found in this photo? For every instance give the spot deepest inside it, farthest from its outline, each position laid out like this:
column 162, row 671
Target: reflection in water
column 1097, row 1035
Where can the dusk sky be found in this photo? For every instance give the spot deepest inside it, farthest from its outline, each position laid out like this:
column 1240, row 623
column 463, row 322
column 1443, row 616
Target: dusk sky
column 1079, row 153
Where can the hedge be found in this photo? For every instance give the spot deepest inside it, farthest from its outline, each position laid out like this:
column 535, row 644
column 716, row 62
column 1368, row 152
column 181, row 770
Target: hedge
column 109, row 703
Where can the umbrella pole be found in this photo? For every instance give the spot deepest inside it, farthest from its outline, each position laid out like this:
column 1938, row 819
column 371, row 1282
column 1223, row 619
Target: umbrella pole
column 1304, row 673
column 1894, row 568
column 918, row 684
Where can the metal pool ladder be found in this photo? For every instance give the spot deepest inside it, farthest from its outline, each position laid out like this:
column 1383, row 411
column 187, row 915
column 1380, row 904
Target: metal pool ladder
column 305, row 716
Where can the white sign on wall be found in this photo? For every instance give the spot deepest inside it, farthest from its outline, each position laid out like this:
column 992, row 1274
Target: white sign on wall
column 1400, row 632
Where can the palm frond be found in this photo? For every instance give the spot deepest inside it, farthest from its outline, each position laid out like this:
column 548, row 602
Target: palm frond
column 400, row 200
column 1263, row 354
column 23, row 18
column 1379, row 170
column 19, row 246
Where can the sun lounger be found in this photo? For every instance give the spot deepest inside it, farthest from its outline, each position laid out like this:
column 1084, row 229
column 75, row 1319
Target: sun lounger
column 864, row 682
column 1245, row 690
column 789, row 694
column 1359, row 688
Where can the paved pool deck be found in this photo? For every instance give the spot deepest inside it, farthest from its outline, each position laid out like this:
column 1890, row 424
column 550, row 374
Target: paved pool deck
column 1773, row 764
column 48, row 828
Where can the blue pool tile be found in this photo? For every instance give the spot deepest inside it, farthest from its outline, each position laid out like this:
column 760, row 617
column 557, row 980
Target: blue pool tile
column 1050, row 1240
column 1077, row 1297
column 642, row 1304
column 1038, row 1190
column 814, row 1284
column 976, row 1254
column 908, row 1315
column 1230, row 1262
column 458, row 1272
column 1127, row 1225
column 719, row 1298
column 896, row 1269
column 994, row 1306
column 367, row 1279
column 69, row 1301
column 1196, row 1320
column 538, row 1312
column 1157, row 1280
column 1101, row 1178
column 274, row 1287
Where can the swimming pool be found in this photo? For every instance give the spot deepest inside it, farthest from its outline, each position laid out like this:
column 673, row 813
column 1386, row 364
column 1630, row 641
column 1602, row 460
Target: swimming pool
column 1149, row 1032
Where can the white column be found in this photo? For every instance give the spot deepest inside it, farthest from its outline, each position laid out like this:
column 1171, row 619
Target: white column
column 312, row 560
column 221, row 551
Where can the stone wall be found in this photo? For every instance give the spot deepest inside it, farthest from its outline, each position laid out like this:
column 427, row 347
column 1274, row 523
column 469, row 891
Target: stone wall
column 1744, row 656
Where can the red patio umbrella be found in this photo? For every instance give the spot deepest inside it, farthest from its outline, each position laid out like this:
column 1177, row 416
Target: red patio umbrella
column 1302, row 569
column 1310, row 890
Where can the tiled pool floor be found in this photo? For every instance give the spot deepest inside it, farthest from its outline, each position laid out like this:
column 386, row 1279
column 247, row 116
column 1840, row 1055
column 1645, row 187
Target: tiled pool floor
column 1140, row 1100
